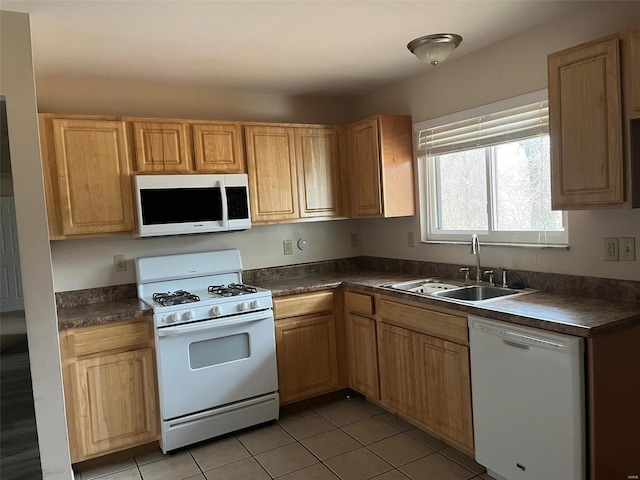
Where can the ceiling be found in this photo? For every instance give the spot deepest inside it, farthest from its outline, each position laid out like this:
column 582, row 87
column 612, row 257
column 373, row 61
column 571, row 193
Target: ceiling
column 296, row 47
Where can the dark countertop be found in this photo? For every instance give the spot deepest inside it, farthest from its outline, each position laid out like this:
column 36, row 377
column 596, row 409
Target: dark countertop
column 572, row 315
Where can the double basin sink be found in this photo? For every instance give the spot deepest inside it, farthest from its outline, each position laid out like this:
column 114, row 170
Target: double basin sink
column 454, row 290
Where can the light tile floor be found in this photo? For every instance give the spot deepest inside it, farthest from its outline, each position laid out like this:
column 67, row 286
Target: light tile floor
column 350, row 439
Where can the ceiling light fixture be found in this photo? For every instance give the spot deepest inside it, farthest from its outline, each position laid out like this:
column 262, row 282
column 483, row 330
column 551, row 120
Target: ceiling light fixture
column 435, row 48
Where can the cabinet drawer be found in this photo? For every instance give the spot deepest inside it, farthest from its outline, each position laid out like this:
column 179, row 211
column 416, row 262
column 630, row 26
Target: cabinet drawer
column 423, row 320
column 359, row 303
column 101, row 338
column 304, row 304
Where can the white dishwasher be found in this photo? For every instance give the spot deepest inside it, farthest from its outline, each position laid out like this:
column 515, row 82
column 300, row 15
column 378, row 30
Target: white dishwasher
column 528, row 401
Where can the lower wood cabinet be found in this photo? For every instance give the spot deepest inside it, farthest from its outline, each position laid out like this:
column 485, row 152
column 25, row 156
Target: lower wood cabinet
column 111, row 393
column 362, row 352
column 306, row 346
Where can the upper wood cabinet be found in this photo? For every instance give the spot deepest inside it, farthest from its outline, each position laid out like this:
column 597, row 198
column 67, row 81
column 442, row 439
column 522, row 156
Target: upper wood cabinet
column 218, row 148
column 306, row 345
column 381, row 167
column 109, row 379
column 162, row 146
column 591, row 164
column 87, row 173
column 631, row 61
column 293, row 172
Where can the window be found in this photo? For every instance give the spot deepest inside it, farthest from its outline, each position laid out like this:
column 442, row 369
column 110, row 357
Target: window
column 487, row 171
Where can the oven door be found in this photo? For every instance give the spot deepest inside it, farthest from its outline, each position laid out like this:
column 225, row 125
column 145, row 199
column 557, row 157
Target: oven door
column 216, row 362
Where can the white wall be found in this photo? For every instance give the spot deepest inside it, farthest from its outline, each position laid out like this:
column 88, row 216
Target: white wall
column 495, row 73
column 17, row 84
column 88, row 263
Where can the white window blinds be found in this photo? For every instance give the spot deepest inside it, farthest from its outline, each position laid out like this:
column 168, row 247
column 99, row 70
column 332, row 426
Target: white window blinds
column 485, row 130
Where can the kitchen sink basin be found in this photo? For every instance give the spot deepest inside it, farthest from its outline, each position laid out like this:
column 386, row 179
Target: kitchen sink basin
column 476, row 293
column 427, row 285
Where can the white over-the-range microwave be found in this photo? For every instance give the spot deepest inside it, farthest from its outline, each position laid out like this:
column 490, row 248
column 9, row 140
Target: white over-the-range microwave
column 187, row 204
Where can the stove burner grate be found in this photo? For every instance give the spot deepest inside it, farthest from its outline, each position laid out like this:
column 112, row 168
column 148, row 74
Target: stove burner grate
column 176, row 298
column 231, row 290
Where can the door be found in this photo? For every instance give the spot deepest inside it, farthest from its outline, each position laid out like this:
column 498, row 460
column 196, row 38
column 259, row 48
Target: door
column 162, row 147
column 307, row 357
column 93, row 176
column 585, row 122
column 365, row 169
column 271, row 164
column 398, row 389
column 362, row 350
column 113, row 406
column 218, row 148
column 215, row 362
column 318, row 161
column 11, row 297
column 445, row 389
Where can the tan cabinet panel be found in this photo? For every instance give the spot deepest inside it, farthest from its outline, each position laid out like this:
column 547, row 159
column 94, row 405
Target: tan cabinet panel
column 398, row 376
column 162, row 147
column 585, row 116
column 218, row 148
column 631, row 46
column 318, row 161
column 273, row 183
column 366, row 185
column 362, row 353
column 304, row 304
column 307, row 357
column 111, row 393
column 87, row 176
column 111, row 403
column 359, row 303
column 445, row 389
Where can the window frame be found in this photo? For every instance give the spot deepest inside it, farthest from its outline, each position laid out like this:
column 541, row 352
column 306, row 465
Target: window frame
column 429, row 189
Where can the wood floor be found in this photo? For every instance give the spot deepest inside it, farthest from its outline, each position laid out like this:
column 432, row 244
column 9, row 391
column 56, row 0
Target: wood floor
column 19, row 453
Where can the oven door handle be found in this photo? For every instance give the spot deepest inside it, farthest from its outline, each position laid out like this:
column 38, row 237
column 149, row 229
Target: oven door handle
column 213, row 324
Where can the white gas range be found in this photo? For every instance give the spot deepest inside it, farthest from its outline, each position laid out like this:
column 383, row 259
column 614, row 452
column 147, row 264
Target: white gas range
column 215, row 345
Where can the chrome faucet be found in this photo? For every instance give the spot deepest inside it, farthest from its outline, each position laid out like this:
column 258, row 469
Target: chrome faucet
column 475, row 250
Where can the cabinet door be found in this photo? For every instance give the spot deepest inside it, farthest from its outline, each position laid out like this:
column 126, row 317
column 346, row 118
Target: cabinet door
column 585, row 120
column 362, row 352
column 398, row 376
column 317, row 158
column 162, row 147
column 365, row 169
column 632, row 72
column 115, row 402
column 218, row 148
column 93, row 177
column 307, row 357
column 272, row 173
column 445, row 389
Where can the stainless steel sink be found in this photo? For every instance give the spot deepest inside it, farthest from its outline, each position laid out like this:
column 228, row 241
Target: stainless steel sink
column 477, row 293
column 455, row 290
column 427, row 285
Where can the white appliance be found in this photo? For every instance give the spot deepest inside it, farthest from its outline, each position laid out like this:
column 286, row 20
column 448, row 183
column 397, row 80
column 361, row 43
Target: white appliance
column 215, row 345
column 528, row 402
column 186, row 204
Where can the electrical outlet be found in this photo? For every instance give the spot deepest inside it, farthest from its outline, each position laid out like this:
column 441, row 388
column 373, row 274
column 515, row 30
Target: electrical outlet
column 611, row 249
column 410, row 242
column 627, row 248
column 354, row 240
column 287, row 245
column 120, row 263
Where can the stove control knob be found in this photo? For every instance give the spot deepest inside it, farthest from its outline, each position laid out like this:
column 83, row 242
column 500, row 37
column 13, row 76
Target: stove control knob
column 243, row 306
column 172, row 317
column 216, row 310
column 255, row 304
column 188, row 315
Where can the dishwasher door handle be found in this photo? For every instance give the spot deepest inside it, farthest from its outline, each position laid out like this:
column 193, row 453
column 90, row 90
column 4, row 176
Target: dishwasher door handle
column 515, row 344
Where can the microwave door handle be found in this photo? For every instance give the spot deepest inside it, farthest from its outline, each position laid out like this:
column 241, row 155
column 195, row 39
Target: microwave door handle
column 213, row 324
column 225, row 206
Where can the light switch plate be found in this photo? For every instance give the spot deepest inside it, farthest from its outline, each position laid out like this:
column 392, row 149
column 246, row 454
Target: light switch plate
column 120, row 263
column 611, row 249
column 627, row 249
column 287, row 245
column 410, row 241
column 354, row 240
